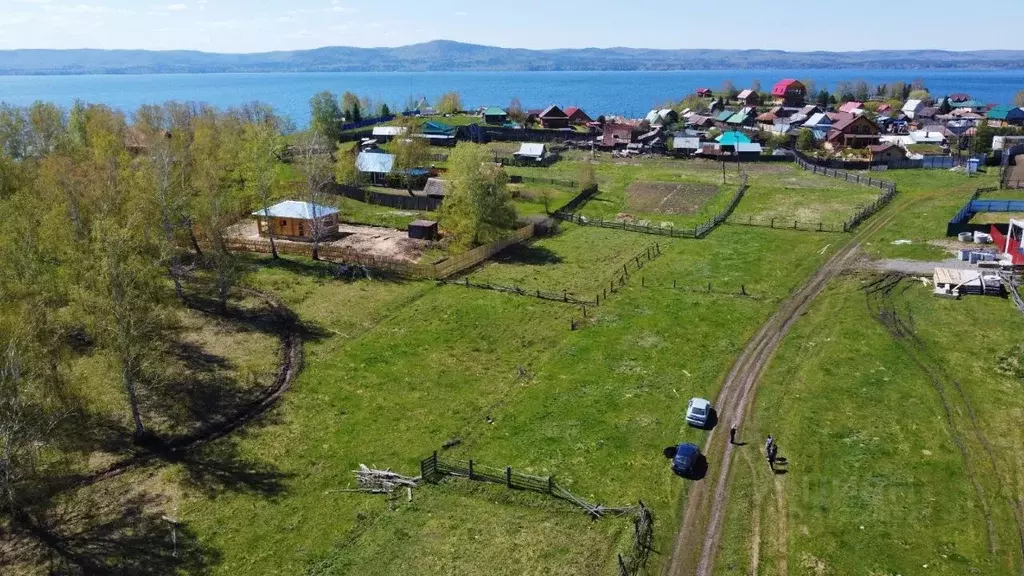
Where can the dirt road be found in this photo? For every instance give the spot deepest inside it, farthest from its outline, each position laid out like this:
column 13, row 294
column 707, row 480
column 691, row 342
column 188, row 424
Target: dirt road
column 697, row 541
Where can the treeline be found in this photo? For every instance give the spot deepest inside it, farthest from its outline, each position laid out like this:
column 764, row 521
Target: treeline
column 107, row 224
column 329, row 113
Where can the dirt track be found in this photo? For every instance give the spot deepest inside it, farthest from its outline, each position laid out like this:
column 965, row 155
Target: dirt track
column 696, row 543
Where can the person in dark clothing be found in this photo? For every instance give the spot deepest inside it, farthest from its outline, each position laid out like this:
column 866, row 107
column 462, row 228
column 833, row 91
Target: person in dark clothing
column 773, row 453
column 732, row 434
column 769, row 443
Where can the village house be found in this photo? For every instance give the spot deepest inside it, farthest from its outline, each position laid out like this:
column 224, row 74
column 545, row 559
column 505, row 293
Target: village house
column 789, row 92
column 853, row 132
column 685, row 145
column 495, row 115
column 661, row 117
column 437, row 133
column 577, row 115
column 617, row 136
column 749, row 97
column 722, row 119
column 553, row 117
column 886, row 152
column 387, row 133
column 295, row 220
column 1005, row 116
column 532, row 153
column 852, row 107
column 705, row 93
column 375, row 166
column 744, row 117
column 912, row 107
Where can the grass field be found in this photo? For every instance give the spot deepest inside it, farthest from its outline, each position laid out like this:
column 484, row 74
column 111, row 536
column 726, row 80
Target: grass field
column 394, row 369
column 870, row 424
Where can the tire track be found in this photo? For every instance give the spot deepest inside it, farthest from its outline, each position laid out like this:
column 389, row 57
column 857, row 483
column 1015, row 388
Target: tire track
column 880, row 303
column 697, row 540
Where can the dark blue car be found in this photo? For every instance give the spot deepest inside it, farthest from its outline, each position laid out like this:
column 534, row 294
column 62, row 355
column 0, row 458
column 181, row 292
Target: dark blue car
column 685, row 460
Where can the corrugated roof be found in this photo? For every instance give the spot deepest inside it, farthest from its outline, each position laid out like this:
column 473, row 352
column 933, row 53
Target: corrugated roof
column 388, row 130
column 686, row 143
column 296, row 209
column 1005, row 112
column 746, row 94
column 733, row 138
column 494, row 111
column 553, row 111
column 375, row 162
column 531, row 150
column 435, row 187
column 724, row 116
column 784, row 85
column 819, row 119
column 751, row 147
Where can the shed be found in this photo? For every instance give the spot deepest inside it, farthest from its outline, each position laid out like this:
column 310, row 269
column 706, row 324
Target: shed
column 886, row 152
column 296, row 220
column 532, row 151
column 495, row 115
column 748, row 149
column 435, row 188
column 685, row 144
column 423, row 230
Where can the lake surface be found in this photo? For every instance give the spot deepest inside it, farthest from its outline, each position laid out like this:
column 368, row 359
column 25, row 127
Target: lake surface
column 626, row 93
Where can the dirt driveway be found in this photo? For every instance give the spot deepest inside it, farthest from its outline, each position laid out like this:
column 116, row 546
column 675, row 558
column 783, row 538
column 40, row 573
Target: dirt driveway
column 370, row 240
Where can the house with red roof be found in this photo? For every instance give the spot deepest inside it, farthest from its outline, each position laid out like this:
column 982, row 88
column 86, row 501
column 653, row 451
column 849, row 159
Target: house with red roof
column 705, row 92
column 789, row 92
column 852, row 107
column 577, row 115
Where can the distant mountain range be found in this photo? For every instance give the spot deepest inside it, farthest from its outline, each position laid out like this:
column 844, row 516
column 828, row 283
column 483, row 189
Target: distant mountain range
column 441, row 55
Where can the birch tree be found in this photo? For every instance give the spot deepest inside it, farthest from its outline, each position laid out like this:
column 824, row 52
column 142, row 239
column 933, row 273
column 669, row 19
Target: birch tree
column 478, row 206
column 262, row 142
column 317, row 172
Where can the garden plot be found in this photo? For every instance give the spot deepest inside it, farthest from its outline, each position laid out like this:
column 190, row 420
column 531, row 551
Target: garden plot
column 669, row 197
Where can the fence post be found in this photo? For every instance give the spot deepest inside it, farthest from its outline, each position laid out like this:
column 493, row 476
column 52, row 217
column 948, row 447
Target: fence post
column 743, row 289
column 551, row 484
column 471, row 469
column 643, row 281
column 673, row 282
column 819, row 226
column 773, row 223
column 508, row 476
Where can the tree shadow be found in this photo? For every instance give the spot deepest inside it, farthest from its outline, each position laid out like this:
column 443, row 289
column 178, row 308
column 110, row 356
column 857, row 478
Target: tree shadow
column 528, row 254
column 218, row 467
column 319, row 269
column 100, row 532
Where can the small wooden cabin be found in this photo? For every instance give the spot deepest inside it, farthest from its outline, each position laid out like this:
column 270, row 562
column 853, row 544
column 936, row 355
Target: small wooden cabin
column 293, row 220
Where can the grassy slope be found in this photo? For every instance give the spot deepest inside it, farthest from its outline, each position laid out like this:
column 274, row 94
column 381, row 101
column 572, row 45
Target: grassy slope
column 595, row 406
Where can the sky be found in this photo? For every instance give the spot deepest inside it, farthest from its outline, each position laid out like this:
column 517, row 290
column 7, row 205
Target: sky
column 265, row 25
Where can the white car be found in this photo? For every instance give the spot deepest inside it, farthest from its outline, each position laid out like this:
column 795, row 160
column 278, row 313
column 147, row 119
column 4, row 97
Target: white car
column 697, row 412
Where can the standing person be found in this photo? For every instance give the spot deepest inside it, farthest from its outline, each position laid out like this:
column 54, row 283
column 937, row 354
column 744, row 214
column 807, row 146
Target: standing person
column 773, row 453
column 769, row 443
column 732, row 434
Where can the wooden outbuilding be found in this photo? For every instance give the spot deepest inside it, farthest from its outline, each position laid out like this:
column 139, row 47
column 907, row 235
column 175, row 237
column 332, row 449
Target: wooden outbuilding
column 295, row 220
column 423, row 230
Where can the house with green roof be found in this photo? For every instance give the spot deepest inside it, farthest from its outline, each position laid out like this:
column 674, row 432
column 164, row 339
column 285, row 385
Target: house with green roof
column 1005, row 115
column 723, row 116
column 495, row 115
column 733, row 139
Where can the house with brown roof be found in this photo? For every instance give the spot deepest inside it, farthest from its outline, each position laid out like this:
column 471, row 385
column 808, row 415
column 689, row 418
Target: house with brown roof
column 852, row 107
column 853, row 132
column 886, row 152
column 749, row 97
column 577, row 115
column 553, row 117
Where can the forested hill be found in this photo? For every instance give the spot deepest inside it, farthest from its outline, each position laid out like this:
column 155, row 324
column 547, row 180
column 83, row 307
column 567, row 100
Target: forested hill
column 447, row 55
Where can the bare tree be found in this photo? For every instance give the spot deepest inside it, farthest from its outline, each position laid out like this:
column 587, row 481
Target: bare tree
column 163, row 165
column 317, row 170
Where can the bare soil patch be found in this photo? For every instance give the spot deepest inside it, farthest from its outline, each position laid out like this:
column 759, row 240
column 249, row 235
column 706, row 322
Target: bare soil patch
column 669, row 197
column 370, row 240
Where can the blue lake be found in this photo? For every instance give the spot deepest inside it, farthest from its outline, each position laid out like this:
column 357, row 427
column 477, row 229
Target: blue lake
column 626, row 93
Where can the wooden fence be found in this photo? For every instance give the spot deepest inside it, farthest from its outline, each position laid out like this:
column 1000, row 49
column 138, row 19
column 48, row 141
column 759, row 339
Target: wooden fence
column 810, row 165
column 434, row 469
column 786, row 224
column 397, row 201
column 698, row 231
column 438, row 271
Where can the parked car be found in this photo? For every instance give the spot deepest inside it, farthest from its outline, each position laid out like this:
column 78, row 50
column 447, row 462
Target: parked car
column 697, row 412
column 684, row 463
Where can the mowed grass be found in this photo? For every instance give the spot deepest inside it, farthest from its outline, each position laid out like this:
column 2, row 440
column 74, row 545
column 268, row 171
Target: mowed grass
column 395, row 369
column 802, row 197
column 872, row 455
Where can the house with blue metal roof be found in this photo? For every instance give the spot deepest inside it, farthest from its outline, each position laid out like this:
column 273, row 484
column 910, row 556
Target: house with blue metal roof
column 1001, row 115
column 296, row 220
